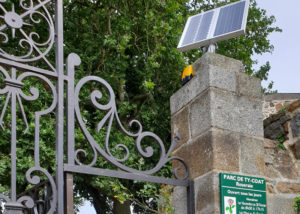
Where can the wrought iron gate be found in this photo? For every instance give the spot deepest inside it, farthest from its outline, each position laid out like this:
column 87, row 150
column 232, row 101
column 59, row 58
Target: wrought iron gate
column 17, row 66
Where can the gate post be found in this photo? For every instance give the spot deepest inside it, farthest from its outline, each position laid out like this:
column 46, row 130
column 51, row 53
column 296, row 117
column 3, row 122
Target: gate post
column 60, row 105
column 219, row 117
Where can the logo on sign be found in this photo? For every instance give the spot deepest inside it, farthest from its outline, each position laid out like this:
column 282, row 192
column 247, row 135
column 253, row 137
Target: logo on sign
column 230, row 205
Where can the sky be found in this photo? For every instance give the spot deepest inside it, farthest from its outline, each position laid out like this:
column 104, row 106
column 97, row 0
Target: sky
column 285, row 59
column 87, row 208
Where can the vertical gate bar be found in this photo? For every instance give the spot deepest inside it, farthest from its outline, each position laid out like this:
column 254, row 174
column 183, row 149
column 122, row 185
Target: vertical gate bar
column 60, row 106
column 72, row 61
column 70, row 130
column 191, row 198
column 13, row 141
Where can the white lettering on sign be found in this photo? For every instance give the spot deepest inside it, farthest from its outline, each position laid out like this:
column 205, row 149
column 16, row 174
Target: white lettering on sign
column 243, row 185
column 260, row 209
column 260, row 205
column 233, row 192
column 230, row 177
column 243, row 179
column 257, row 181
column 251, row 199
column 240, row 179
column 257, row 195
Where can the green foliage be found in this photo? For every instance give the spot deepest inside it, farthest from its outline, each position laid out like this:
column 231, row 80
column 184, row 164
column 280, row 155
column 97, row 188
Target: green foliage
column 165, row 200
column 283, row 109
column 280, row 142
column 280, row 139
column 297, row 204
column 132, row 45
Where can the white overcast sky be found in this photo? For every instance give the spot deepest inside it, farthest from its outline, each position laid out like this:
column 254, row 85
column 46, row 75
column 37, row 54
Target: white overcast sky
column 285, row 60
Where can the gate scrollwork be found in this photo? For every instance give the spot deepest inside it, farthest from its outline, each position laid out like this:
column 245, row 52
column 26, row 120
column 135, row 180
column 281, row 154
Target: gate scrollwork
column 14, row 96
column 111, row 115
column 20, row 24
column 32, row 14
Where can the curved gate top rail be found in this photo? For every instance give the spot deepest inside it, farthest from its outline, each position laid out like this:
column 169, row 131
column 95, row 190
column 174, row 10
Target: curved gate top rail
column 21, row 24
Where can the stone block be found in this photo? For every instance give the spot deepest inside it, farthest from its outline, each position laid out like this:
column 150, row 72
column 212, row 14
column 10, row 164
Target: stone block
column 252, row 155
column 180, row 125
column 271, row 172
column 280, row 205
column 207, row 193
column 276, row 128
column 200, row 114
column 273, row 118
column 220, row 109
column 297, row 149
column 278, row 162
column 180, row 200
column 270, row 189
column 287, row 187
column 284, row 119
column 236, row 113
column 219, row 61
column 282, row 96
column 274, row 131
column 270, row 144
column 248, row 86
column 269, row 156
column 278, row 106
column 222, row 78
column 210, row 71
column 216, row 149
column 293, row 106
column 295, row 125
column 188, row 92
column 197, row 154
column 226, row 145
column 283, row 163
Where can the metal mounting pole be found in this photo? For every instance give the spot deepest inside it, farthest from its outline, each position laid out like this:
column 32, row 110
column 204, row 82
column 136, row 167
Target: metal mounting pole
column 212, row 48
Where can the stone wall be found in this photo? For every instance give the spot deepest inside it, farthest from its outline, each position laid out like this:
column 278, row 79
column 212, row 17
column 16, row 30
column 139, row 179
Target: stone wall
column 220, row 119
column 282, row 156
column 273, row 103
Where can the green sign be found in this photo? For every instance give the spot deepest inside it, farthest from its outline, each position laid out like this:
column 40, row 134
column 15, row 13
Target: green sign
column 242, row 194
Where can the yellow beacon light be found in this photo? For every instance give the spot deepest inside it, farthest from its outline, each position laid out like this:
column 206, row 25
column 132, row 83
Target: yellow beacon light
column 187, row 74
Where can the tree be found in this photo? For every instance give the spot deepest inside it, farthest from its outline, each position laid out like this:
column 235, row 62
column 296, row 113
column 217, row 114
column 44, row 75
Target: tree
column 132, row 45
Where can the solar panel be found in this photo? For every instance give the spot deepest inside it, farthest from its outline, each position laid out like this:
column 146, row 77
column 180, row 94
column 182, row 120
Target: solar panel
column 192, row 29
column 230, row 19
column 215, row 25
column 204, row 26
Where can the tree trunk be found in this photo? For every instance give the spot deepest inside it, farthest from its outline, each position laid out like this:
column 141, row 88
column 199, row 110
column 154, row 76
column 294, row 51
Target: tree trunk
column 97, row 200
column 121, row 208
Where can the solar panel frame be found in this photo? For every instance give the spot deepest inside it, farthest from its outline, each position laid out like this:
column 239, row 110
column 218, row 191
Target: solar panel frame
column 211, row 39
